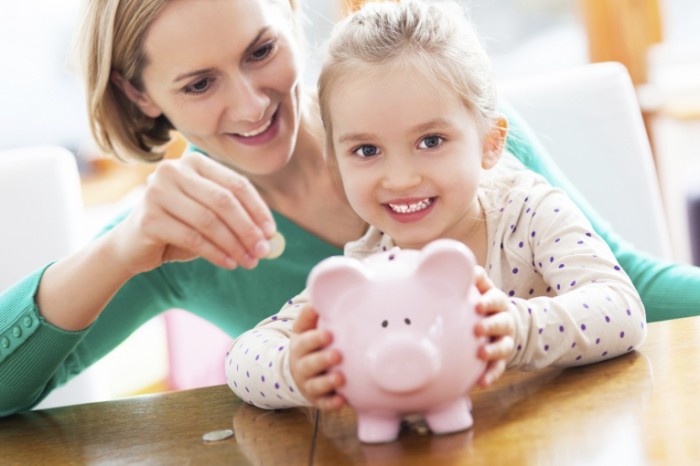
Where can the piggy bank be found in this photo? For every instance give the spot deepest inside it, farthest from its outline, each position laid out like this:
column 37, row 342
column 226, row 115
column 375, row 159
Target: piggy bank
column 403, row 321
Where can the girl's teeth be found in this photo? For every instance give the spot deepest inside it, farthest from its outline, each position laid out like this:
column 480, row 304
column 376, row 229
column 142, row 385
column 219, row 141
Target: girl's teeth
column 410, row 208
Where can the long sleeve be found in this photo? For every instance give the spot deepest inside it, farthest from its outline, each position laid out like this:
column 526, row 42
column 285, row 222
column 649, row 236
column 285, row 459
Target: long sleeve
column 36, row 357
column 257, row 364
column 572, row 301
column 669, row 290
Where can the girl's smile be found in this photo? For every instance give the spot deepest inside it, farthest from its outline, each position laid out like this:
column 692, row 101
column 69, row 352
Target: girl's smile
column 410, row 210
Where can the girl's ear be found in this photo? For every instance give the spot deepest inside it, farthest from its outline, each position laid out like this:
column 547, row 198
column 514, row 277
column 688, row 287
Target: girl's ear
column 494, row 142
column 139, row 98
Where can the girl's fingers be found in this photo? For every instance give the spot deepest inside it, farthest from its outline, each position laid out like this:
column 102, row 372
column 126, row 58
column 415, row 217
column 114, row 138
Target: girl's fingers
column 493, row 372
column 315, row 363
column 482, row 281
column 323, row 385
column 496, row 325
column 304, row 344
column 498, row 349
column 493, row 300
column 330, row 403
column 306, row 320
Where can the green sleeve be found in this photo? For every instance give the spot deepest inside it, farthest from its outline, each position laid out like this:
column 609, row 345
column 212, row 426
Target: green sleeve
column 36, row 357
column 669, row 290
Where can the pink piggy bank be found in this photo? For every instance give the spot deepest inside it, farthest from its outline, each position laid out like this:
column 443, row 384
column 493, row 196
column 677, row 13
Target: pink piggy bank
column 403, row 321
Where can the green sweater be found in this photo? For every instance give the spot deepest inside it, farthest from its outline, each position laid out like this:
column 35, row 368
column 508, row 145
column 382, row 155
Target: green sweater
column 36, row 357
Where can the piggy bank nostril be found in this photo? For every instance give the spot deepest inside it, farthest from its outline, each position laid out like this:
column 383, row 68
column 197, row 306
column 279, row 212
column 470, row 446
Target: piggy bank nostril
column 385, row 323
column 407, row 320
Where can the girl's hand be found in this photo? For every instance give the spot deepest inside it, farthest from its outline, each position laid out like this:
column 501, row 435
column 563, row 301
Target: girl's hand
column 195, row 207
column 310, row 362
column 498, row 326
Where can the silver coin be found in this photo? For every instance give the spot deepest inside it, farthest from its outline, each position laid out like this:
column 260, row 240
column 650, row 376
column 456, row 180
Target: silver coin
column 216, row 435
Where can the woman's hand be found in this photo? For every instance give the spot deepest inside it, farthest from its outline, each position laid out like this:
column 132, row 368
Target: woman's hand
column 498, row 326
column 311, row 362
column 195, row 207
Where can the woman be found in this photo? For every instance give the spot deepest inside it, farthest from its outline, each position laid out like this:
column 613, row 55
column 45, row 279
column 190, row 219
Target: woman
column 227, row 76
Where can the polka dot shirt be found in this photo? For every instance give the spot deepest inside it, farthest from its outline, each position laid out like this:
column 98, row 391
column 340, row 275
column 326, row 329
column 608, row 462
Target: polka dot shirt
column 572, row 302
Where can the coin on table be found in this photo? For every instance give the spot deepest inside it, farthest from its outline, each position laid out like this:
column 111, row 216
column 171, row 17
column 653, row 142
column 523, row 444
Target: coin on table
column 277, row 244
column 216, row 435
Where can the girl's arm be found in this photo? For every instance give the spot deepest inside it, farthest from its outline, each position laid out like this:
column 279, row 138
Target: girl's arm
column 258, row 363
column 584, row 308
column 669, row 290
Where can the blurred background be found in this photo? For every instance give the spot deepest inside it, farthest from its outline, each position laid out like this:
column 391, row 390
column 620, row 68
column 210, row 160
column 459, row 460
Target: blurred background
column 41, row 103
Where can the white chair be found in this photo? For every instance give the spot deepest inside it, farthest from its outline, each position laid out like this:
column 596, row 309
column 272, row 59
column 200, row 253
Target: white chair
column 42, row 212
column 41, row 208
column 589, row 119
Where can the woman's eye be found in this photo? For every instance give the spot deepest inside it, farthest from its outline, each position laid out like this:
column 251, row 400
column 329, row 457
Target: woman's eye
column 262, row 52
column 430, row 142
column 198, row 87
column 366, row 151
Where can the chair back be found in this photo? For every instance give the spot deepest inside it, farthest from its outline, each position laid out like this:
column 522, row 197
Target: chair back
column 41, row 209
column 589, row 120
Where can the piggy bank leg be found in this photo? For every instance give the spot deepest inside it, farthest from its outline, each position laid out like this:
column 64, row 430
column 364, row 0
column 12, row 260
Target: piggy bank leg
column 450, row 417
column 372, row 428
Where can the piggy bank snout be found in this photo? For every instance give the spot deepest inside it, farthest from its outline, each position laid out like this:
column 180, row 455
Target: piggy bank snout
column 403, row 363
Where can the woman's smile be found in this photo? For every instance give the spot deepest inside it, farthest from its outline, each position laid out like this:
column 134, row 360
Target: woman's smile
column 263, row 134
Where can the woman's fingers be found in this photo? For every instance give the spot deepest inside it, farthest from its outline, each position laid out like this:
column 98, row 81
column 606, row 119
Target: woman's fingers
column 196, row 207
column 232, row 213
column 243, row 190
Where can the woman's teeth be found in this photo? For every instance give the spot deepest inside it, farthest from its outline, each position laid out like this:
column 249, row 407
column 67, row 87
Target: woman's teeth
column 411, row 208
column 257, row 131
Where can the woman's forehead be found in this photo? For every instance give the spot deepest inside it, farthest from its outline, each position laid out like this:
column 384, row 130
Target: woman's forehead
column 201, row 32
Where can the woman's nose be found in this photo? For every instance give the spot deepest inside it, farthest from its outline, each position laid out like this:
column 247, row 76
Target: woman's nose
column 247, row 100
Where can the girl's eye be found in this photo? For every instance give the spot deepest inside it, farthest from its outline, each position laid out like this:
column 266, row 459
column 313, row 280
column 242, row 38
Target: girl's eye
column 430, row 142
column 366, row 151
column 262, row 52
column 198, row 87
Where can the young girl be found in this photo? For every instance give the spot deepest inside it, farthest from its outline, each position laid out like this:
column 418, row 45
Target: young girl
column 409, row 109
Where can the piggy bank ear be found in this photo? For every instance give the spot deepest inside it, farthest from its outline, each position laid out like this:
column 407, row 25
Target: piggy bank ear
column 447, row 266
column 333, row 281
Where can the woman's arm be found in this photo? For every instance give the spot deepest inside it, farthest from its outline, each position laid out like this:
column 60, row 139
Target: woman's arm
column 36, row 356
column 668, row 290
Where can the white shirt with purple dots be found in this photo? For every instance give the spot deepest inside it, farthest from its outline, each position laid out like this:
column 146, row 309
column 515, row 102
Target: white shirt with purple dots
column 572, row 302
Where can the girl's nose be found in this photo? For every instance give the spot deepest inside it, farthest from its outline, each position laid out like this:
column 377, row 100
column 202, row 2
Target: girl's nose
column 401, row 175
column 247, row 101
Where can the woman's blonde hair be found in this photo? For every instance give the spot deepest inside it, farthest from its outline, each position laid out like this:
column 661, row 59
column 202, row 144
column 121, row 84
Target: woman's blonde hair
column 111, row 39
column 434, row 37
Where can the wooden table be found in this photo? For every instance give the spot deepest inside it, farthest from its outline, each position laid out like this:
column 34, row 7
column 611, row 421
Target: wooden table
column 643, row 408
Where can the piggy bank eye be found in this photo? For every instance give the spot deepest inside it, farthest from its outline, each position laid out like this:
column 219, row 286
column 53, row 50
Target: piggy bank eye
column 385, row 323
column 407, row 320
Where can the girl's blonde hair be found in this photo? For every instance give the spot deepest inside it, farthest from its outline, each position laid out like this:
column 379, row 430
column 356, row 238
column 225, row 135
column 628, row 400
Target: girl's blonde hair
column 111, row 39
column 434, row 37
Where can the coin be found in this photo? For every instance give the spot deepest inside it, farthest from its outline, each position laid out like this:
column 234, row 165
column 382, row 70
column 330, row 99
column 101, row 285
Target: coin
column 277, row 244
column 216, row 435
